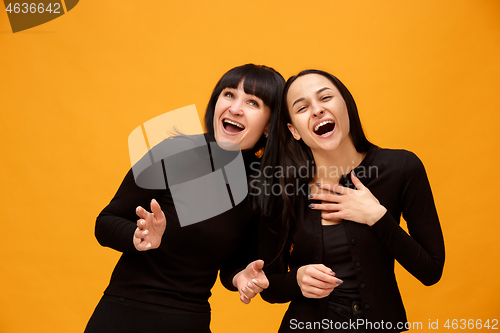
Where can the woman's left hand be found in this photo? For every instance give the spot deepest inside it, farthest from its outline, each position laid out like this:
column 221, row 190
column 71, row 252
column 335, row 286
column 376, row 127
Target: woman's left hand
column 341, row 202
column 251, row 281
column 150, row 227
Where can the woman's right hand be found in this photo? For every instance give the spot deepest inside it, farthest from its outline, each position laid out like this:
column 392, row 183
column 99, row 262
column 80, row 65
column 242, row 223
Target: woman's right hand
column 317, row 280
column 150, row 227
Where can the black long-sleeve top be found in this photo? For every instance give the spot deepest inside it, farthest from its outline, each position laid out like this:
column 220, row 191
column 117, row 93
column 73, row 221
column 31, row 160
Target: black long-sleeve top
column 397, row 178
column 181, row 272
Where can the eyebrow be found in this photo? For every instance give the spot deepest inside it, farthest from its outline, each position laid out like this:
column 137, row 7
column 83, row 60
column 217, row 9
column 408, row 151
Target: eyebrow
column 322, row 89
column 297, row 101
column 317, row 92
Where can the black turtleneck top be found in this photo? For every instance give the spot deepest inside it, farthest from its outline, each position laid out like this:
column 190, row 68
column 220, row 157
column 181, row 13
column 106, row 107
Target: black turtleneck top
column 181, row 272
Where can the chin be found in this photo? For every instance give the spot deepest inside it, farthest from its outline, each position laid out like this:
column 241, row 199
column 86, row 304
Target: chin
column 227, row 140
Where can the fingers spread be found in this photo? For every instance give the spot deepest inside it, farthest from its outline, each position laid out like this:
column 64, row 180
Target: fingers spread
column 355, row 180
column 325, row 206
column 141, row 224
column 143, row 246
column 334, row 188
column 330, row 198
column 335, row 216
column 139, row 233
column 141, row 212
column 156, row 209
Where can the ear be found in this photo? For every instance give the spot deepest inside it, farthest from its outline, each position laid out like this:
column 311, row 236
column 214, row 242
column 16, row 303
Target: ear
column 294, row 131
column 266, row 129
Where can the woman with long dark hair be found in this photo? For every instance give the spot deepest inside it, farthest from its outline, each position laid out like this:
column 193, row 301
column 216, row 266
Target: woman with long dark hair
column 163, row 279
column 332, row 247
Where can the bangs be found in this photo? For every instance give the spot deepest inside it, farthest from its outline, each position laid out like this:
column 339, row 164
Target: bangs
column 263, row 84
column 257, row 81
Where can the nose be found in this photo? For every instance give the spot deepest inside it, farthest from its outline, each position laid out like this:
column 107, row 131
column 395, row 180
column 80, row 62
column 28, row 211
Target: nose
column 236, row 108
column 318, row 111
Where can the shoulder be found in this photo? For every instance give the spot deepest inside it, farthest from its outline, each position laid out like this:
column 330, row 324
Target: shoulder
column 177, row 144
column 397, row 155
column 402, row 162
column 172, row 158
column 399, row 161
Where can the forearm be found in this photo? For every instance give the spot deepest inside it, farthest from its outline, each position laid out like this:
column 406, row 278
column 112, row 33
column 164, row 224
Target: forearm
column 245, row 253
column 117, row 222
column 115, row 232
column 424, row 261
column 283, row 287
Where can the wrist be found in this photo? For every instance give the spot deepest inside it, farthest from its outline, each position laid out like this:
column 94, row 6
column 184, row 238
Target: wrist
column 235, row 280
column 377, row 215
column 299, row 274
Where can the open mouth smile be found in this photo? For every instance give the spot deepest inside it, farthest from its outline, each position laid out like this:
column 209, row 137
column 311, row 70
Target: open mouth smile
column 324, row 128
column 232, row 127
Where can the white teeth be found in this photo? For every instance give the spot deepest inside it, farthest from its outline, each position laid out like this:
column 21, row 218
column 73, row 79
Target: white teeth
column 322, row 123
column 233, row 123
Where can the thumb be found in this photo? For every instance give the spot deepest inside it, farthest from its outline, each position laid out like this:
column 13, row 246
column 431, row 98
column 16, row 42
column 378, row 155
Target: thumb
column 324, row 269
column 156, row 209
column 355, row 180
column 258, row 265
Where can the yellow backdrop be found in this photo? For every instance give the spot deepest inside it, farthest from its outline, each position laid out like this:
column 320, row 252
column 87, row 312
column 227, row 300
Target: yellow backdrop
column 424, row 74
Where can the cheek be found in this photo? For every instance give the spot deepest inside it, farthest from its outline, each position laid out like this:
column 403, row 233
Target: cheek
column 342, row 115
column 216, row 119
column 300, row 124
column 256, row 128
column 345, row 122
column 265, row 122
column 259, row 122
column 218, row 107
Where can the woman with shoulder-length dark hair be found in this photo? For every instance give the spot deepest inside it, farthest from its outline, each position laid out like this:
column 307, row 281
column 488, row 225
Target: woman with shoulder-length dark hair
column 338, row 200
column 163, row 279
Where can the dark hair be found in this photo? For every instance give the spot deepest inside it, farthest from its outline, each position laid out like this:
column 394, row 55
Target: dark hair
column 286, row 153
column 261, row 81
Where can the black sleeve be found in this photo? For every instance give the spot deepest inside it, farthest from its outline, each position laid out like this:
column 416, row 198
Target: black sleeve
column 283, row 285
column 246, row 252
column 116, row 224
column 422, row 252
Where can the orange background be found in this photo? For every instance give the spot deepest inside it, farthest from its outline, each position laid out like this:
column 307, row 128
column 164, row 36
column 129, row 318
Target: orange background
column 424, row 74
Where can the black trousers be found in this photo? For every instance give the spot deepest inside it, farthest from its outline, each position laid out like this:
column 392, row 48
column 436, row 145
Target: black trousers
column 345, row 316
column 120, row 315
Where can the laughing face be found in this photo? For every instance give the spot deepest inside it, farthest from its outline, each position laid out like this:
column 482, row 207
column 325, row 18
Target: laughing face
column 318, row 113
column 240, row 118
